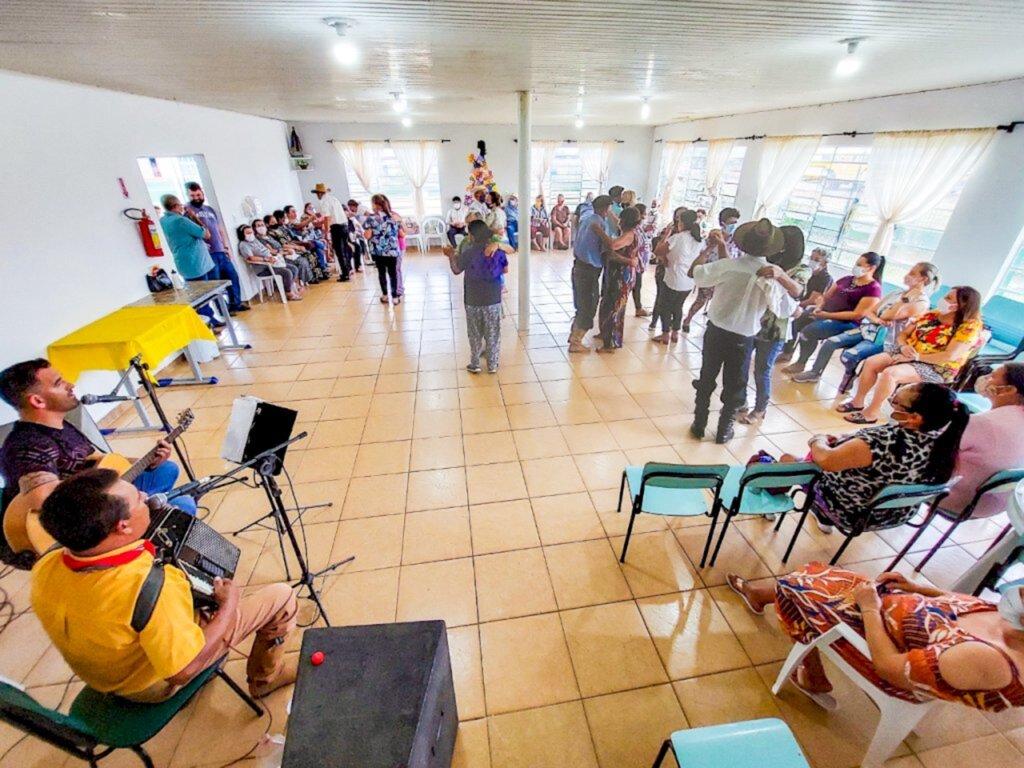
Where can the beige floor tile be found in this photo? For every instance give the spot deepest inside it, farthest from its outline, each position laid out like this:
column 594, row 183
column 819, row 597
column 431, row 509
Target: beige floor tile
column 472, row 745
column 503, row 526
column 636, row 433
column 524, row 392
column 437, row 423
column 436, row 489
column 629, row 727
column 373, row 496
column 437, row 534
column 495, row 482
column 436, row 453
column 317, row 551
column 601, row 470
column 762, row 637
column 511, row 584
column 467, row 669
column 736, row 555
column 516, row 680
column 382, row 429
column 589, row 438
column 480, row 397
column 575, row 412
column 341, row 408
column 530, row 415
column 540, row 443
column 585, row 573
column 726, row 697
column 382, row 459
column 547, row 737
column 489, row 448
column 487, row 419
column 376, row 542
column 549, row 477
column 329, row 434
column 442, row 590
column 656, row 564
column 326, row 464
column 361, row 597
column 611, row 649
column 691, row 634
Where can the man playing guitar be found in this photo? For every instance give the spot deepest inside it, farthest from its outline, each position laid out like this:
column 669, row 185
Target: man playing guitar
column 43, row 449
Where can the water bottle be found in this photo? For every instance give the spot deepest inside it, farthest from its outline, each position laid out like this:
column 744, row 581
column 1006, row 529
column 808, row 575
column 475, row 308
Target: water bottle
column 270, row 751
column 176, row 280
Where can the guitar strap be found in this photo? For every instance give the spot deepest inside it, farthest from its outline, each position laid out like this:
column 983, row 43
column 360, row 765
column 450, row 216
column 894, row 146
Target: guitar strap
column 145, row 603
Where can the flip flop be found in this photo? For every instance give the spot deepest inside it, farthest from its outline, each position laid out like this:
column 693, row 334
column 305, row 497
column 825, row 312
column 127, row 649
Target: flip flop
column 824, row 700
column 733, row 581
column 859, row 418
column 848, row 407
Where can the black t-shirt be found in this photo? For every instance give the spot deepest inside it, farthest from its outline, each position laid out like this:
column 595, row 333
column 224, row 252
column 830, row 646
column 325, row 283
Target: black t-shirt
column 819, row 282
column 35, row 448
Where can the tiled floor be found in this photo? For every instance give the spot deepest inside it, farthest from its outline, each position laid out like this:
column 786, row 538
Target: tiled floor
column 489, row 501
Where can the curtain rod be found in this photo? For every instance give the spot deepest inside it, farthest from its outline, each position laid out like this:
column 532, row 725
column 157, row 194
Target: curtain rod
column 388, row 141
column 1008, row 128
column 579, row 141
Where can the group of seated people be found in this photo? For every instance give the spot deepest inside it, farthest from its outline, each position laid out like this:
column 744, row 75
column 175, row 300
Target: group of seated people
column 503, row 217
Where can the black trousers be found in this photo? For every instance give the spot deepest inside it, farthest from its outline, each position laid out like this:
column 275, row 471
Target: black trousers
column 586, row 293
column 798, row 325
column 729, row 354
column 340, row 242
column 636, row 289
column 387, row 267
column 453, row 231
column 670, row 308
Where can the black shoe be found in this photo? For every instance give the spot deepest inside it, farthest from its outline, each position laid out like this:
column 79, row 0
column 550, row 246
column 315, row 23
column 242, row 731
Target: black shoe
column 239, row 308
column 697, row 430
column 344, row 279
column 726, row 431
column 686, row 328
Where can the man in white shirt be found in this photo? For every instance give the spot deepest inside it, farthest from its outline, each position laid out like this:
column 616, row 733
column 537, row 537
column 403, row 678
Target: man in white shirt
column 456, row 220
column 336, row 224
column 744, row 289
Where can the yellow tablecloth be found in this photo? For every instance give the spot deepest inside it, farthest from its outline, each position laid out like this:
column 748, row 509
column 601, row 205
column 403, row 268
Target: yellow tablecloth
column 110, row 342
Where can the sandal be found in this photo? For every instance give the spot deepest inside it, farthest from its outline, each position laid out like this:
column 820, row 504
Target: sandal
column 824, row 700
column 859, row 418
column 736, row 585
column 383, row 299
column 849, row 407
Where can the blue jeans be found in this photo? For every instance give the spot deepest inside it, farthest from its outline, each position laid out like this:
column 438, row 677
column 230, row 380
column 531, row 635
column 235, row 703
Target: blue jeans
column 161, row 480
column 223, row 269
column 818, row 331
column 857, row 348
column 765, row 353
column 512, row 231
column 205, row 310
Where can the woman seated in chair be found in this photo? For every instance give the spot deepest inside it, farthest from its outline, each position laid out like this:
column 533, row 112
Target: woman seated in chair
column 920, row 445
column 540, row 224
column 560, row 224
column 265, row 263
column 924, row 643
column 934, row 349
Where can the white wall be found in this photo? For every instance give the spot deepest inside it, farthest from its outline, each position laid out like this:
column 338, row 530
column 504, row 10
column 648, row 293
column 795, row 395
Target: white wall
column 989, row 217
column 68, row 255
column 629, row 164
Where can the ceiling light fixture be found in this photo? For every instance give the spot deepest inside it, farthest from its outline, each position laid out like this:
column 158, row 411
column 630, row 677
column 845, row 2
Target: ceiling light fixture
column 850, row 63
column 407, row 121
column 579, row 121
column 345, row 51
column 398, row 102
column 645, row 110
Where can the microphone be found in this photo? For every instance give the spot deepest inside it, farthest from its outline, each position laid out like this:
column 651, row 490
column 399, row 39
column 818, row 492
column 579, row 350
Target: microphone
column 158, row 503
column 94, row 399
column 195, row 489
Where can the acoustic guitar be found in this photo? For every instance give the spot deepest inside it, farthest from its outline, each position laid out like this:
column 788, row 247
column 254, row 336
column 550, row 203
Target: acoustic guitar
column 21, row 519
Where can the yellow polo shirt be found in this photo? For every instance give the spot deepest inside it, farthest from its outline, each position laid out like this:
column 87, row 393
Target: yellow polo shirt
column 88, row 614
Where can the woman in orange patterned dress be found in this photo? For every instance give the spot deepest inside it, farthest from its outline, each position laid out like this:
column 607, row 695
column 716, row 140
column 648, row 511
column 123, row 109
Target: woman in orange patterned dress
column 924, row 643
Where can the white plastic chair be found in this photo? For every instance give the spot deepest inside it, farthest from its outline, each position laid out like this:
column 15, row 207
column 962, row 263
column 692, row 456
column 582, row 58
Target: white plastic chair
column 413, row 233
column 897, row 716
column 433, row 228
column 267, row 282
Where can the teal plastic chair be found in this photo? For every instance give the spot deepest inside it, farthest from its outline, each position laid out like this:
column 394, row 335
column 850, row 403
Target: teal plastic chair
column 676, row 490
column 747, row 491
column 766, row 743
column 975, row 403
column 904, row 500
column 100, row 723
column 1000, row 482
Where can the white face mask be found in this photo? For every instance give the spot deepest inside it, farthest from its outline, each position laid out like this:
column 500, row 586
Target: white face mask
column 261, row 230
column 250, row 237
column 945, row 308
column 859, row 271
column 1011, row 607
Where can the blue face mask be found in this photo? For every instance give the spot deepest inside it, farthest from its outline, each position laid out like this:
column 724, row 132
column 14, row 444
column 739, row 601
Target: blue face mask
column 730, row 228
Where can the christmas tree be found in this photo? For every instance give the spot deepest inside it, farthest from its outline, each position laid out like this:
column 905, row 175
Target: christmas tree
column 481, row 176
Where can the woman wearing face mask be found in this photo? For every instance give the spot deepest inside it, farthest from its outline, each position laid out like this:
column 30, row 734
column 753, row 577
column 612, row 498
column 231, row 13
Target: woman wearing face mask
column 842, row 308
column 540, row 223
column 512, row 221
column 933, row 349
column 495, row 217
column 885, row 322
column 719, row 245
column 924, row 643
column 264, row 262
column 661, row 264
column 300, row 267
column 677, row 252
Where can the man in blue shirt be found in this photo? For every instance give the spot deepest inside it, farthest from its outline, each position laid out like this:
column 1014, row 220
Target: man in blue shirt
column 591, row 240
column 186, row 238
column 218, row 244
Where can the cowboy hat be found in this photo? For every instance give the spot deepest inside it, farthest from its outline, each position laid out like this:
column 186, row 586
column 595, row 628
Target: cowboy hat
column 793, row 253
column 321, row 188
column 759, row 238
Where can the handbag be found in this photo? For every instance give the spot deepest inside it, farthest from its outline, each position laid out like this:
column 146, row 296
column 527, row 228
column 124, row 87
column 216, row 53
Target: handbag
column 158, row 281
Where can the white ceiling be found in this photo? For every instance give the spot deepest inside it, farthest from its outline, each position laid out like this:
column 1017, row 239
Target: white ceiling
column 462, row 61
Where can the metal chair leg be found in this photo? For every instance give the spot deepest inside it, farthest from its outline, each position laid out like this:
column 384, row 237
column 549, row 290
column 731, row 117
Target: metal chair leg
column 711, row 534
column 799, row 527
column 942, row 540
column 622, row 489
column 906, row 549
column 778, row 523
column 242, row 694
column 629, row 532
column 665, row 745
column 721, row 537
column 842, row 548
column 143, row 755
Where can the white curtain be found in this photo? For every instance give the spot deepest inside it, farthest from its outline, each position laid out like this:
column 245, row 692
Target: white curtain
column 542, row 155
column 417, row 159
column 719, row 151
column 783, row 162
column 672, row 154
column 596, row 159
column 910, row 172
column 362, row 157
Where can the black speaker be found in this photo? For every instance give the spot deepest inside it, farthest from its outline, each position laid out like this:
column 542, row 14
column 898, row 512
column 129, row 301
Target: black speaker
column 256, row 426
column 383, row 697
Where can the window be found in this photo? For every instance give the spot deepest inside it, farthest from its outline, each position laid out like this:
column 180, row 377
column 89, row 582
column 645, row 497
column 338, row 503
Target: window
column 1012, row 284
column 730, row 180
column 567, row 178
column 688, row 189
column 168, row 176
column 393, row 183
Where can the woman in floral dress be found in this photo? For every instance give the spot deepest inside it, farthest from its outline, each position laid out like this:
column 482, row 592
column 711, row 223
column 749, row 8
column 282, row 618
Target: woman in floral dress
column 620, row 265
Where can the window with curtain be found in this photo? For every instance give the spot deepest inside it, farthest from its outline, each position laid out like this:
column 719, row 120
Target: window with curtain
column 1012, row 284
column 688, row 189
column 395, row 184
column 567, row 177
column 731, row 178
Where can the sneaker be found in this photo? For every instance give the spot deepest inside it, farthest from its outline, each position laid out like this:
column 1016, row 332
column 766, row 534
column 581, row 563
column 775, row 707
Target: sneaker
column 785, row 357
column 492, row 370
column 807, row 377
column 643, row 312
column 794, row 368
column 823, row 527
column 473, row 368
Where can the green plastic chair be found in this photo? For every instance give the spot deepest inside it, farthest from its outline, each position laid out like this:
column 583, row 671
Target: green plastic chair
column 676, row 490
column 101, row 723
column 747, row 491
column 766, row 743
column 908, row 499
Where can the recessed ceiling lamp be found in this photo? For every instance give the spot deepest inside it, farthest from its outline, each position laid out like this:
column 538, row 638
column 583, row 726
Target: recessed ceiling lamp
column 407, row 121
column 579, row 121
column 645, row 110
column 398, row 102
column 346, row 52
column 850, row 63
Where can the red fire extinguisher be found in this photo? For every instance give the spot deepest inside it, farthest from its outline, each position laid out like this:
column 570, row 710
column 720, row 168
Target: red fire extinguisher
column 147, row 230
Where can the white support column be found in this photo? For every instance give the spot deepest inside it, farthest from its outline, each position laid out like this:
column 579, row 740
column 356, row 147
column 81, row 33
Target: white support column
column 524, row 210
